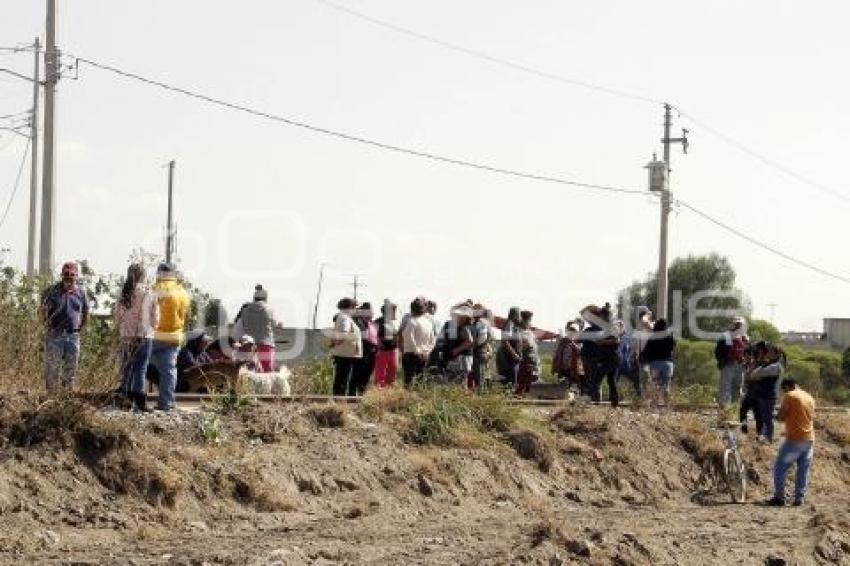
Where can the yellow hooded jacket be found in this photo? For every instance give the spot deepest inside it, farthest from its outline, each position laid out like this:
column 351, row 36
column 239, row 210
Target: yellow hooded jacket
column 174, row 304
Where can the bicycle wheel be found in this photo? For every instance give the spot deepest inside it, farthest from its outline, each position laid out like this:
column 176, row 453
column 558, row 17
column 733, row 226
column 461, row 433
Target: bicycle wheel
column 735, row 475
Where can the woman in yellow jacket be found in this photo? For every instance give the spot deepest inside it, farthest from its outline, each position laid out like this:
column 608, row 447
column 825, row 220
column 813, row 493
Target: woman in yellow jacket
column 174, row 303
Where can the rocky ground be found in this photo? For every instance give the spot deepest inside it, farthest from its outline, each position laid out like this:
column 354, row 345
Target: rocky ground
column 295, row 484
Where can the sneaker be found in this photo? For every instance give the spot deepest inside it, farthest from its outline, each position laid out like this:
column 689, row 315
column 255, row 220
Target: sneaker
column 775, row 502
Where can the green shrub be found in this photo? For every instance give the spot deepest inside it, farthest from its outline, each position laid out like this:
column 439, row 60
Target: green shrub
column 314, row 377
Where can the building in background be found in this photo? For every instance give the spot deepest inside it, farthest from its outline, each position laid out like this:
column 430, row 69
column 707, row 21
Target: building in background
column 837, row 332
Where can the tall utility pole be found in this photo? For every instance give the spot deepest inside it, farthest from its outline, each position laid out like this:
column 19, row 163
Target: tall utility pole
column 661, row 298
column 169, row 235
column 357, row 284
column 48, row 212
column 31, row 233
column 318, row 294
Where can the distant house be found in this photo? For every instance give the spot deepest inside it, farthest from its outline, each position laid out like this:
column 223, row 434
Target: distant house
column 804, row 338
column 837, row 332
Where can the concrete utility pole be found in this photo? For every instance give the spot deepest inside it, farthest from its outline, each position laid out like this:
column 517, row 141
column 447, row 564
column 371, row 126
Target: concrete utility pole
column 169, row 236
column 357, row 284
column 661, row 297
column 48, row 212
column 31, row 233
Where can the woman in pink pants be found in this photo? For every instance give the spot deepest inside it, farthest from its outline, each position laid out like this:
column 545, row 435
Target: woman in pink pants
column 386, row 359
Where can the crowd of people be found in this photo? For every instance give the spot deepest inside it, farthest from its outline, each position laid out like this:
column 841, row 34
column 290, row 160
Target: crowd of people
column 593, row 348
column 153, row 333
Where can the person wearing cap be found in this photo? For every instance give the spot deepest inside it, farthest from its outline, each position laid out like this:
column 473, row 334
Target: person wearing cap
column 387, row 358
column 257, row 320
column 361, row 373
column 729, row 352
column 64, row 310
column 174, row 304
column 457, row 343
column 136, row 315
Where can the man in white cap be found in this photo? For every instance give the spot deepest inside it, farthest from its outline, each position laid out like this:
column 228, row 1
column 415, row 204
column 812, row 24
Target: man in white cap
column 729, row 353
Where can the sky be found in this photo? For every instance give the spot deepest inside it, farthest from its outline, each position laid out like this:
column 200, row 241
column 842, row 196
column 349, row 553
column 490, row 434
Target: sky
column 259, row 201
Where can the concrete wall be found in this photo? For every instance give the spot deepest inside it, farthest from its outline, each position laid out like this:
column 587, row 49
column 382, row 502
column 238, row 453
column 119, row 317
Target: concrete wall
column 305, row 344
column 837, row 332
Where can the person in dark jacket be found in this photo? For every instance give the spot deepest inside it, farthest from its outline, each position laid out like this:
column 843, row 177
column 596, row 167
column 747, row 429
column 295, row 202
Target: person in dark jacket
column 658, row 355
column 600, row 353
column 762, row 381
column 364, row 366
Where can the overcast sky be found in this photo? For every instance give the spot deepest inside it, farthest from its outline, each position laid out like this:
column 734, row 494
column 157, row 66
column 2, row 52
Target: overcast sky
column 260, row 201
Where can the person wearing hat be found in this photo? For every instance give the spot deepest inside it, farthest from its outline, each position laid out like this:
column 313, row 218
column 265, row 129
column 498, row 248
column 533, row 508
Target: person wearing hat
column 194, row 352
column 257, row 320
column 174, row 304
column 729, row 352
column 64, row 310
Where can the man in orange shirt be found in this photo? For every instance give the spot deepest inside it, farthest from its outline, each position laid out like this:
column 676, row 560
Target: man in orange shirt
column 797, row 411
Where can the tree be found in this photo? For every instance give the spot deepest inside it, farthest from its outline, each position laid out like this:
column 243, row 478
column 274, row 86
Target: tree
column 763, row 330
column 845, row 363
column 689, row 276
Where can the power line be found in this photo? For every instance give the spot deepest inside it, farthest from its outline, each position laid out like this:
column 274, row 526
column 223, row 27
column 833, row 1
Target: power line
column 584, row 84
column 17, row 183
column 761, row 244
column 490, row 58
column 765, row 160
column 360, row 139
column 452, row 160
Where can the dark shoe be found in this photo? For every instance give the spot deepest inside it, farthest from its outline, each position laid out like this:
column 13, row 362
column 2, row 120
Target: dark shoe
column 140, row 402
column 799, row 502
column 774, row 502
column 744, row 428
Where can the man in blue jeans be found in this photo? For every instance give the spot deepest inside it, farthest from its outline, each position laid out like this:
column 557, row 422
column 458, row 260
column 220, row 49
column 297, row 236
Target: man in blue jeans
column 64, row 310
column 797, row 411
column 174, row 304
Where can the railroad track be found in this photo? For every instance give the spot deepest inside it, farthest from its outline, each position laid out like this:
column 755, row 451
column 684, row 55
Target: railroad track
column 202, row 398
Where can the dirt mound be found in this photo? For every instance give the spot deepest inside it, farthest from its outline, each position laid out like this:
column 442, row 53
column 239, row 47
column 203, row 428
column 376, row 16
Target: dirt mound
column 324, row 484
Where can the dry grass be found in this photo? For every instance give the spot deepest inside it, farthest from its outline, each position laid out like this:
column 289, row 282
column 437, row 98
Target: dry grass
column 548, row 526
column 836, row 427
column 704, row 445
column 378, row 402
column 251, row 488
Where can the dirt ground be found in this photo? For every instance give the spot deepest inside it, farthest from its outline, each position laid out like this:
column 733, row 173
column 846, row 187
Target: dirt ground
column 294, row 484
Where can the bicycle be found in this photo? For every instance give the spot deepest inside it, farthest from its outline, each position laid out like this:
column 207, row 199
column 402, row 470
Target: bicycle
column 734, row 471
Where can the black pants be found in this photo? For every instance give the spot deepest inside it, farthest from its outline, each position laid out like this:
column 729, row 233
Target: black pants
column 413, row 366
column 506, row 367
column 750, row 403
column 361, row 372
column 343, row 368
column 607, row 369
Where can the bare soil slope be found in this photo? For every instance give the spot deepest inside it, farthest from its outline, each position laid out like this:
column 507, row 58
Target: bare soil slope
column 294, row 484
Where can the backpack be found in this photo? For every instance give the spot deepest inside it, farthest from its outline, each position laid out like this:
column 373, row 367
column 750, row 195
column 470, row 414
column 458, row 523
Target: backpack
column 721, row 351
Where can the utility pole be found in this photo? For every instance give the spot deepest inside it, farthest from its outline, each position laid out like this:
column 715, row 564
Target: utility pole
column 357, row 284
column 318, row 294
column 31, row 233
column 661, row 298
column 169, row 235
column 48, row 196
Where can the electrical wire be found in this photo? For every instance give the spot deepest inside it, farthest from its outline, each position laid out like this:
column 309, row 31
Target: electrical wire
column 760, row 244
column 765, row 160
column 455, row 161
column 360, row 139
column 584, row 84
column 490, row 58
column 17, row 184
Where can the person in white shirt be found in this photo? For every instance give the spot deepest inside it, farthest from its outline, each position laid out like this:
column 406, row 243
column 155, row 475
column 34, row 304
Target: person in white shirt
column 346, row 345
column 417, row 339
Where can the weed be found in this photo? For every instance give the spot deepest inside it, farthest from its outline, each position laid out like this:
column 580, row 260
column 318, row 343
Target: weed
column 377, row 402
column 529, row 445
column 229, row 402
column 314, row 377
column 210, row 429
